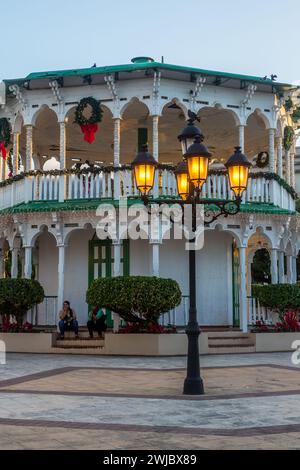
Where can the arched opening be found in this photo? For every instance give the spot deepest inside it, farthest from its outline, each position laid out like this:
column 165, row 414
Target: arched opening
column 45, row 137
column 219, row 127
column 100, row 152
column 136, row 130
column 256, row 135
column 171, row 123
column 259, row 271
column 261, row 267
column 45, row 270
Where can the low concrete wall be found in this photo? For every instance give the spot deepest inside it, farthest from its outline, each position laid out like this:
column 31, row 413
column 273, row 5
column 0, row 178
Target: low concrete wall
column 27, row 342
column 275, row 342
column 142, row 344
column 151, row 345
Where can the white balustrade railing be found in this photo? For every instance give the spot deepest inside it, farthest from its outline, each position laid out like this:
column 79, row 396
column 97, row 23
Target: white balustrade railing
column 177, row 316
column 44, row 314
column 102, row 185
column 257, row 312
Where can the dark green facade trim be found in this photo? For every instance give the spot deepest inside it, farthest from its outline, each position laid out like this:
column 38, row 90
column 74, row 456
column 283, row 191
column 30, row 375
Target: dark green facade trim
column 92, row 204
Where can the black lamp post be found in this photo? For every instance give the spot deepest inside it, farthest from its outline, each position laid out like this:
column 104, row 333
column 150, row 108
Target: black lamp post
column 191, row 174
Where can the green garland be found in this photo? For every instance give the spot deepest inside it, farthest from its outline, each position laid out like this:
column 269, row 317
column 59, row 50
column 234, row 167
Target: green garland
column 288, row 137
column 288, row 104
column 96, row 112
column 5, row 131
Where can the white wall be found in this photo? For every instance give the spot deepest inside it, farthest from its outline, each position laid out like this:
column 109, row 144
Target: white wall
column 214, row 275
column 47, row 263
column 76, row 272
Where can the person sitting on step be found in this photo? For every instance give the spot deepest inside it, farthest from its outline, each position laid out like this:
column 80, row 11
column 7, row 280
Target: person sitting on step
column 68, row 320
column 97, row 321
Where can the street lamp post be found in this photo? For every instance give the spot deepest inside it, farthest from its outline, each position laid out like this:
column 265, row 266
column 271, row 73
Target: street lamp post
column 191, row 174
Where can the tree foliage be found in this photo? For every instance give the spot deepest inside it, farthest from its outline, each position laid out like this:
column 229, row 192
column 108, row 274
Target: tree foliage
column 135, row 298
column 278, row 297
column 17, row 296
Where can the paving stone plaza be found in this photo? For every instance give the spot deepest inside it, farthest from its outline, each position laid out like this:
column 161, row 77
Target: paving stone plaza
column 77, row 402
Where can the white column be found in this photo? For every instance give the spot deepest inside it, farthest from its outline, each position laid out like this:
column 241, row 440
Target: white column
column 272, row 150
column 292, row 167
column 14, row 263
column 243, row 290
column 28, row 262
column 274, row 266
column 2, row 264
column 155, row 258
column 61, row 276
column 16, row 151
column 287, row 166
column 279, row 157
column 3, row 166
column 155, row 146
column 117, row 259
column 116, row 272
column 29, row 134
column 289, row 265
column 281, row 267
column 294, row 269
column 117, row 139
column 242, row 137
column 62, row 160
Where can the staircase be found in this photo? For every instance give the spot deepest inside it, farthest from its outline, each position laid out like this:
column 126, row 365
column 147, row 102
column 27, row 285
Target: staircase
column 83, row 345
column 230, row 342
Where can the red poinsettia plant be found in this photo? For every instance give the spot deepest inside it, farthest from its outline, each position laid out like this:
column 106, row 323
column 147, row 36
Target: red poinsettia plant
column 261, row 326
column 150, row 328
column 14, row 327
column 290, row 322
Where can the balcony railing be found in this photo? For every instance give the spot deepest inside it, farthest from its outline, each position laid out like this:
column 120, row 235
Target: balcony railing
column 109, row 184
column 258, row 313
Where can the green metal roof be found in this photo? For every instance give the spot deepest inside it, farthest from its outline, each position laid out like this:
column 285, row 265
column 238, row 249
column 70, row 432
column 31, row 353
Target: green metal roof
column 92, row 204
column 144, row 66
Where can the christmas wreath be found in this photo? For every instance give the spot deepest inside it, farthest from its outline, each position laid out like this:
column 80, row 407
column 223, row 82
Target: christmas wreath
column 89, row 126
column 262, row 160
column 5, row 136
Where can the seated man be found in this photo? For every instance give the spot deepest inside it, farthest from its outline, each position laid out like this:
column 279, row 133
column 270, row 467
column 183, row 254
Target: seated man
column 97, row 321
column 68, row 320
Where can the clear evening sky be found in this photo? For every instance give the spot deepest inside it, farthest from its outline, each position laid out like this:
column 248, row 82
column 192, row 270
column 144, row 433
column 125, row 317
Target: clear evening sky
column 257, row 37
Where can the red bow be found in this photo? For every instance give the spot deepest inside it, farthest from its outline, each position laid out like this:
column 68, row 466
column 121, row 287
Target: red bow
column 89, row 131
column 3, row 150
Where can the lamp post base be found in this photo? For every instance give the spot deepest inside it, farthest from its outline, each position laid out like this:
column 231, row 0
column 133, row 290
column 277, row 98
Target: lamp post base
column 193, row 386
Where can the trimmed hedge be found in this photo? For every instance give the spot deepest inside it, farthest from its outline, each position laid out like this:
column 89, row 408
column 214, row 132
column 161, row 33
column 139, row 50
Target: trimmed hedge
column 136, row 298
column 17, row 296
column 278, row 297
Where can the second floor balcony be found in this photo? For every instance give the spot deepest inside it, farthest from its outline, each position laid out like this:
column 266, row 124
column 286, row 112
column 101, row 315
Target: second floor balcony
column 264, row 189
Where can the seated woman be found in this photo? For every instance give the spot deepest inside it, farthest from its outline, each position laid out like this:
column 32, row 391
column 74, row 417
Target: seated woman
column 97, row 321
column 68, row 320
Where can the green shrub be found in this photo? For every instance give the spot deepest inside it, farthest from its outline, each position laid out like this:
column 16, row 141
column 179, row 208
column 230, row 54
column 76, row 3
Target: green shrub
column 136, row 298
column 278, row 297
column 17, row 296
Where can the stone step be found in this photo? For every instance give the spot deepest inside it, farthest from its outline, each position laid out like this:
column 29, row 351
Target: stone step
column 228, row 338
column 236, row 341
column 231, row 349
column 79, row 343
column 227, row 334
column 82, row 351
